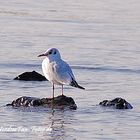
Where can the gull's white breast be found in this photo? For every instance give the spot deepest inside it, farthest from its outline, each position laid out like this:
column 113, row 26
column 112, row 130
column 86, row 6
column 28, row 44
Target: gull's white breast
column 56, row 72
column 48, row 70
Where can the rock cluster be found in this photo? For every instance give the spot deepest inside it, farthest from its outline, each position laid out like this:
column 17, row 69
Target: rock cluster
column 59, row 102
column 30, row 76
column 117, row 103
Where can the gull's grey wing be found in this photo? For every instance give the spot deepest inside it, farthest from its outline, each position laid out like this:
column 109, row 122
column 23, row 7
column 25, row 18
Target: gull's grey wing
column 65, row 74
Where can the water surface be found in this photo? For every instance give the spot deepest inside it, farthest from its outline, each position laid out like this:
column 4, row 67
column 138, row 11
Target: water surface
column 99, row 39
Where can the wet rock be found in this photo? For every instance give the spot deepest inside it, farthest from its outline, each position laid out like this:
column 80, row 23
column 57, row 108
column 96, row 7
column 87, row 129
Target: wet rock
column 30, row 76
column 59, row 102
column 117, row 103
column 26, row 101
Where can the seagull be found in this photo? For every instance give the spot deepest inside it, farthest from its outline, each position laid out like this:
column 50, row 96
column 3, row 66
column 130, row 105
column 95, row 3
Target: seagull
column 57, row 71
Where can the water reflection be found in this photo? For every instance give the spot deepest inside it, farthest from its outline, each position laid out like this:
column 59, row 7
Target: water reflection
column 58, row 123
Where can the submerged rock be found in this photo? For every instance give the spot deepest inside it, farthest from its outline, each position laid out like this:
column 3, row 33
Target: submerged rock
column 30, row 76
column 118, row 103
column 59, row 102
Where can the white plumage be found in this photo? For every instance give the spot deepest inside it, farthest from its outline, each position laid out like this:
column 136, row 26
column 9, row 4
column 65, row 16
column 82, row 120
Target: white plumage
column 56, row 70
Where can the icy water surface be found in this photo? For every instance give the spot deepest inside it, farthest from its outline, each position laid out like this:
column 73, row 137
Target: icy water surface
column 101, row 41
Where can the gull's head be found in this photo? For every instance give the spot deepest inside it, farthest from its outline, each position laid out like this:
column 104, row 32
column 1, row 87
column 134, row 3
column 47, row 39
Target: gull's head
column 51, row 54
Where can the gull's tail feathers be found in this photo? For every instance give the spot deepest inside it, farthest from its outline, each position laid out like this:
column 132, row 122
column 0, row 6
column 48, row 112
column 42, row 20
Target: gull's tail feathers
column 75, row 84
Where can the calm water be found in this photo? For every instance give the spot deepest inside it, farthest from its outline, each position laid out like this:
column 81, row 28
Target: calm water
column 99, row 39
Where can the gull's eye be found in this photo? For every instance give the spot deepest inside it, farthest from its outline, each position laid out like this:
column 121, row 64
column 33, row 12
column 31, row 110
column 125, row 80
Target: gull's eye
column 50, row 52
column 54, row 52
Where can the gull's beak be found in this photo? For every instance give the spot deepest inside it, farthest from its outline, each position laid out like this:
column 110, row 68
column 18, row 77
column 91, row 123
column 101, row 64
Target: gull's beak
column 41, row 55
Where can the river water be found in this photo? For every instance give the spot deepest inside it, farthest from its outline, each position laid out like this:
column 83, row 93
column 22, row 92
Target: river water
column 99, row 39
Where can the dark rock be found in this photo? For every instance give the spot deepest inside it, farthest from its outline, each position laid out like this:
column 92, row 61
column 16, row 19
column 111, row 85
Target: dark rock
column 59, row 102
column 117, row 103
column 30, row 76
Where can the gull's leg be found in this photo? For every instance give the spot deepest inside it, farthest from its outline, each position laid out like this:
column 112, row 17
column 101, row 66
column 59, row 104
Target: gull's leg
column 53, row 91
column 62, row 90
